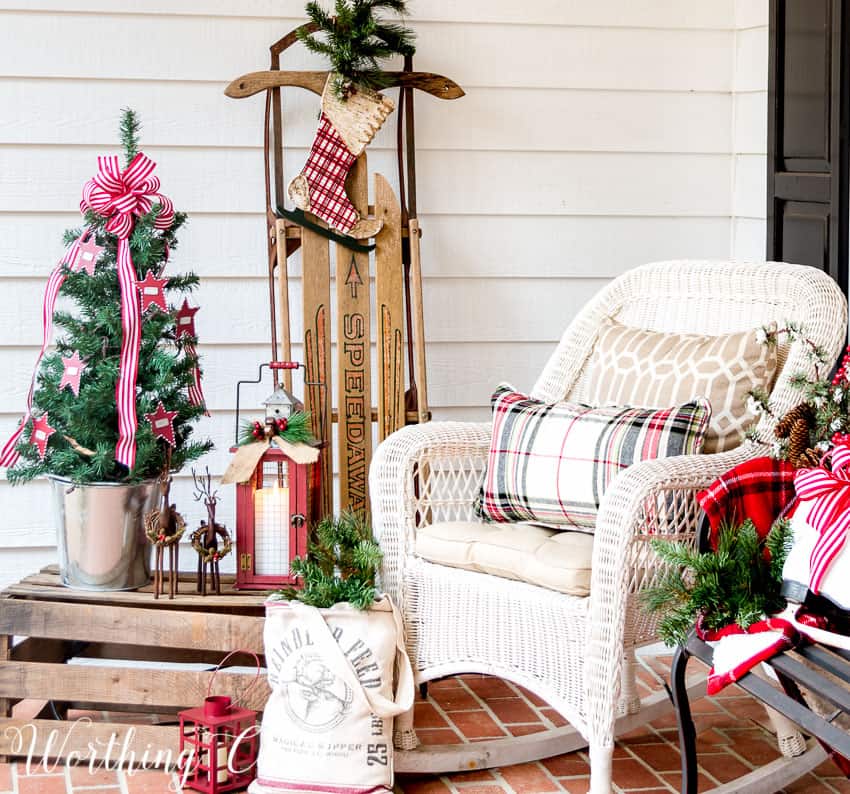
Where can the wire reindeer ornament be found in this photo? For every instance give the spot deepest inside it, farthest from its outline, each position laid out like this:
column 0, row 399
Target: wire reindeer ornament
column 211, row 540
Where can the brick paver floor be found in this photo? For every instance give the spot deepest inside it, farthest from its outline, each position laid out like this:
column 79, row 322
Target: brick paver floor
column 731, row 730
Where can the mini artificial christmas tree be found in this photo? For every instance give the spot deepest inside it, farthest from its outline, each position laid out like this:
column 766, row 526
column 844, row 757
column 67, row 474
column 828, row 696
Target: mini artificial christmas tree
column 117, row 398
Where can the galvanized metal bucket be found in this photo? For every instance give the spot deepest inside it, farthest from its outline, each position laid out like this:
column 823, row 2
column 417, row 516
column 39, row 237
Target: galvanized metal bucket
column 100, row 533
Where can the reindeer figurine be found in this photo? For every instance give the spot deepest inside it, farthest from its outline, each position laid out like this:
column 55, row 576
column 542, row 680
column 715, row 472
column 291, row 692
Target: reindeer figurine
column 205, row 539
column 164, row 527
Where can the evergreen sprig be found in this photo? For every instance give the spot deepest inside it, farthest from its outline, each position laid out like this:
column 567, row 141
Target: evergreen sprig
column 828, row 398
column 297, row 430
column 88, row 423
column 356, row 41
column 129, row 129
column 341, row 564
column 737, row 583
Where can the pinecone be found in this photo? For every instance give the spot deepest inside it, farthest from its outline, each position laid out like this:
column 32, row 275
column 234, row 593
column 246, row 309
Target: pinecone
column 796, row 426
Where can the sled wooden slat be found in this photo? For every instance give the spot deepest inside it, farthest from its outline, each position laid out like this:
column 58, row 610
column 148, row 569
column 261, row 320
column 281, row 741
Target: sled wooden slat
column 389, row 308
column 417, row 311
column 283, row 278
column 145, row 655
column 353, row 313
column 316, row 286
column 254, row 82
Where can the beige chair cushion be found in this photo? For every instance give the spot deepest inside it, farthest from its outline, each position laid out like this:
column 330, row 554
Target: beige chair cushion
column 647, row 369
column 548, row 558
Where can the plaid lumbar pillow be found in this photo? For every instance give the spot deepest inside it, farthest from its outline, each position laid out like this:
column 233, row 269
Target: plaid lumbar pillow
column 551, row 463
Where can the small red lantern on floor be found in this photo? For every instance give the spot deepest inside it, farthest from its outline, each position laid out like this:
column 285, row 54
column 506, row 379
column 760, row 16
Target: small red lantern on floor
column 274, row 479
column 219, row 743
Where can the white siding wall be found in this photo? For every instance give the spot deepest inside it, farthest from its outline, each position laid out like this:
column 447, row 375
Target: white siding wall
column 593, row 137
column 750, row 130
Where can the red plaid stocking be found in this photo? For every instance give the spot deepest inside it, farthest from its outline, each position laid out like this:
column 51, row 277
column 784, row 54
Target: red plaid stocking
column 325, row 171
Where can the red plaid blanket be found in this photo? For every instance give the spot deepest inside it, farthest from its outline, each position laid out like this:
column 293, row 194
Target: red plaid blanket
column 759, row 489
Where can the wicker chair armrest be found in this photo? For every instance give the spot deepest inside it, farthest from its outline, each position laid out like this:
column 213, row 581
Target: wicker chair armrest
column 421, row 474
column 655, row 498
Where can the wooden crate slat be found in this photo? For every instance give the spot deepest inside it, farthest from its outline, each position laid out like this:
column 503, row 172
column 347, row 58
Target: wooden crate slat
column 75, row 738
column 145, row 687
column 40, row 649
column 183, row 576
column 100, row 623
column 139, row 598
column 353, row 301
column 316, row 288
column 389, row 291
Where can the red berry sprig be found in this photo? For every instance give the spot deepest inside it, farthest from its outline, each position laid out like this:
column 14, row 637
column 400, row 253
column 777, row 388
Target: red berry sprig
column 257, row 430
column 841, row 373
column 281, row 424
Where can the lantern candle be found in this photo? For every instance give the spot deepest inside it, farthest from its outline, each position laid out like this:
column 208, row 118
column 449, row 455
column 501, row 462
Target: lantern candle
column 271, row 532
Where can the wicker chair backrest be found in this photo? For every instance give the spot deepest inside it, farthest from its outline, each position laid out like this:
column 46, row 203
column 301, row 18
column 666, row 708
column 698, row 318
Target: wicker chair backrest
column 706, row 297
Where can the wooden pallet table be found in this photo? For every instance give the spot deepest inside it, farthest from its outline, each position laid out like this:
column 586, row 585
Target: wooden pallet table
column 140, row 702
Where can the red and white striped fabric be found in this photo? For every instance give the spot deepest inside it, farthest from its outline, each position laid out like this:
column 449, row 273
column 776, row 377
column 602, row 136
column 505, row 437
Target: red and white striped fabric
column 829, row 514
column 196, row 392
column 122, row 196
column 326, row 169
column 9, row 455
column 737, row 650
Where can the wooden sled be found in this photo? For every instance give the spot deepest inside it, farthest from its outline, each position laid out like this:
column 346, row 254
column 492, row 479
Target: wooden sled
column 393, row 306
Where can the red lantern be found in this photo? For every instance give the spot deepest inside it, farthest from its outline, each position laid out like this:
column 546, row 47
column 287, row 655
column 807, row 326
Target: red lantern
column 218, row 742
column 271, row 517
column 273, row 505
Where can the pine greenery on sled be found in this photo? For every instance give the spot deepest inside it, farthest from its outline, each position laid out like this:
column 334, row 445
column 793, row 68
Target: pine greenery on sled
column 355, row 41
column 83, row 447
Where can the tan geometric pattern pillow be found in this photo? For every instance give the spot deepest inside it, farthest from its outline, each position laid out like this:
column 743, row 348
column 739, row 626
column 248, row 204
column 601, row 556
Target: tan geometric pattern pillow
column 647, row 369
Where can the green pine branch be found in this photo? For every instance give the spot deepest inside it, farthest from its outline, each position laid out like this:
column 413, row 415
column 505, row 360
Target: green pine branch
column 341, row 564
column 129, row 128
column 357, row 42
column 737, row 583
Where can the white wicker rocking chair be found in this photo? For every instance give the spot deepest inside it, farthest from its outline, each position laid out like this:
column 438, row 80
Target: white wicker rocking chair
column 577, row 653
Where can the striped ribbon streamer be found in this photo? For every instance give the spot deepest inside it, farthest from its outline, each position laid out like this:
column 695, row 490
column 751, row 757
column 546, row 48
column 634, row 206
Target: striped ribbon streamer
column 196, row 393
column 830, row 512
column 9, row 455
column 121, row 197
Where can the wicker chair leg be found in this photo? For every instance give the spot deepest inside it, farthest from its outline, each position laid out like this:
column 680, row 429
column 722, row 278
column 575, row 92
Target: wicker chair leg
column 404, row 736
column 629, row 701
column 788, row 737
column 600, row 768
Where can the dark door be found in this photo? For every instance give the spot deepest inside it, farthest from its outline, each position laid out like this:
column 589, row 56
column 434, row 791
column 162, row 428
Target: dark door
column 807, row 207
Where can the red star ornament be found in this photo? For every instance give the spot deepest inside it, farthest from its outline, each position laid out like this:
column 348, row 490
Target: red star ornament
column 41, row 432
column 152, row 290
column 185, row 319
column 87, row 256
column 74, row 367
column 162, row 422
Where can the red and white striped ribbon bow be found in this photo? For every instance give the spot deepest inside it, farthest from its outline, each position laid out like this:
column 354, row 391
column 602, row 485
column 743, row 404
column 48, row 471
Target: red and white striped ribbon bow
column 830, row 512
column 122, row 196
column 9, row 455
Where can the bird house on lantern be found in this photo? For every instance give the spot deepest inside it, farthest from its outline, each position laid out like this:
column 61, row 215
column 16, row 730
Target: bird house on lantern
column 280, row 404
column 274, row 480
